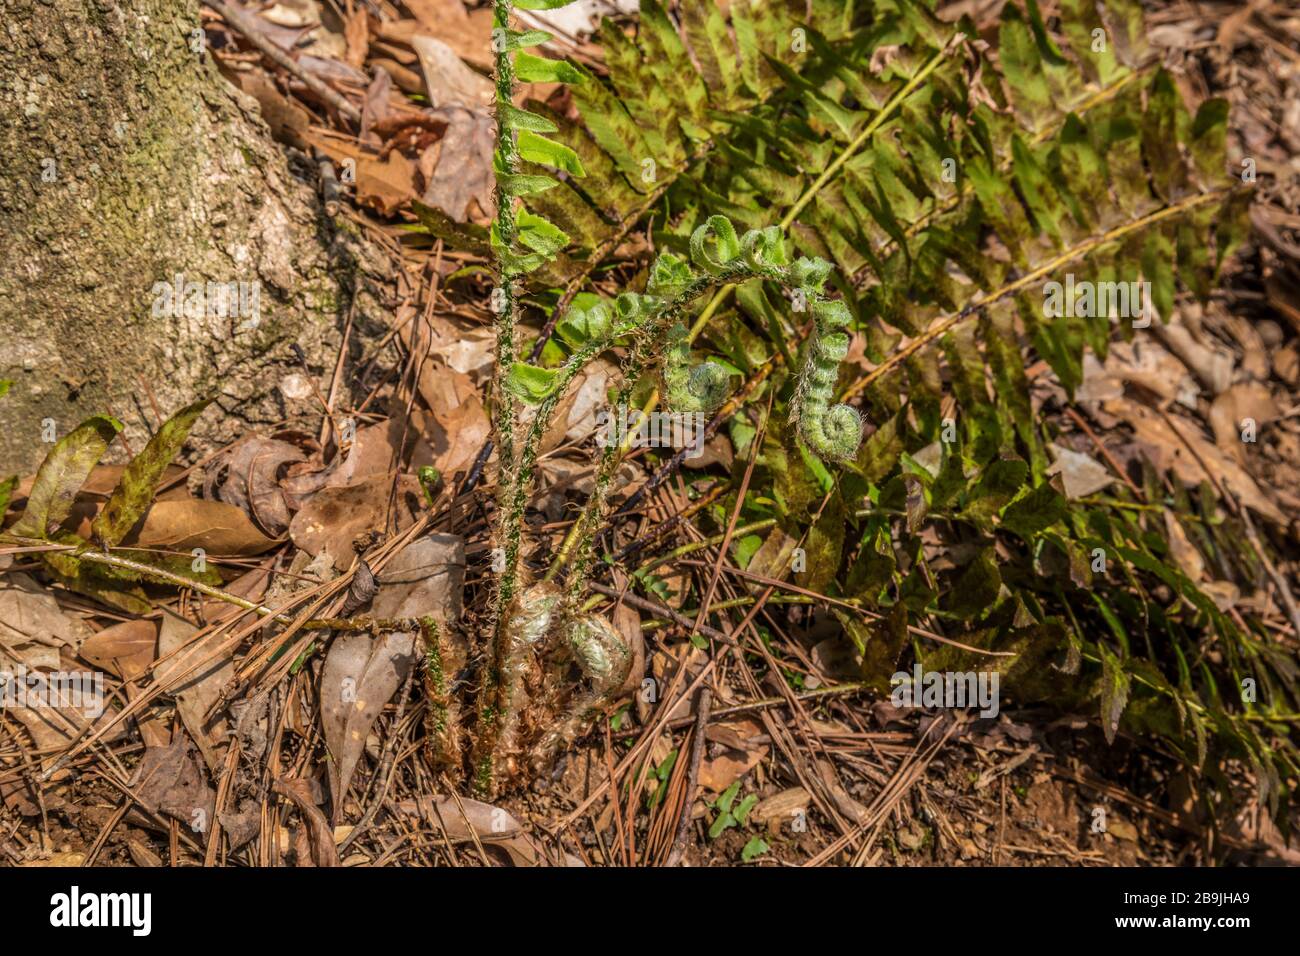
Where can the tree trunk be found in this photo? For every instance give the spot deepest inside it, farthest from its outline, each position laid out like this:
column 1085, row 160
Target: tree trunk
column 129, row 161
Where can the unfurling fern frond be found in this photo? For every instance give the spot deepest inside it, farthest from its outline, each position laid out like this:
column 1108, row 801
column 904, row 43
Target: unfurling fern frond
column 691, row 388
column 832, row 431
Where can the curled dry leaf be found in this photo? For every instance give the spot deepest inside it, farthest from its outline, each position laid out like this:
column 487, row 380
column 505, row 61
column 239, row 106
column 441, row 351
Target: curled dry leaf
column 321, row 846
column 361, row 675
column 464, row 820
column 628, row 624
column 363, row 588
column 248, row 475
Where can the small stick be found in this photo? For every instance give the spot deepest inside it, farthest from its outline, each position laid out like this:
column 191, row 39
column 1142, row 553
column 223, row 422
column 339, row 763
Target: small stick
column 329, row 183
column 703, row 704
column 315, row 624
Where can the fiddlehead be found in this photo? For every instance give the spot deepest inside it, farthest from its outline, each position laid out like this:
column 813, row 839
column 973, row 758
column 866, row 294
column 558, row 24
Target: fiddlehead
column 831, row 431
column 691, row 388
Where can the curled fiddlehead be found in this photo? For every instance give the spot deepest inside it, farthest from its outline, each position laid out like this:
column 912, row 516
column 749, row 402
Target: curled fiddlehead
column 831, row 431
column 691, row 388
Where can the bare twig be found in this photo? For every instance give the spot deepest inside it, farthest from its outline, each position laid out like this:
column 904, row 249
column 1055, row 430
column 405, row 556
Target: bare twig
column 703, row 704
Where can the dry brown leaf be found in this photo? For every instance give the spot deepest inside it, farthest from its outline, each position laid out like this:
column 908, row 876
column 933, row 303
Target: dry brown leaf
column 126, row 649
column 774, row 555
column 375, row 107
column 780, row 807
column 1286, row 364
column 1211, row 363
column 1184, row 552
column 744, row 746
column 1080, row 475
column 62, row 714
column 470, row 35
column 463, row 820
column 334, row 517
column 387, row 184
column 356, row 34
column 319, row 848
column 466, row 349
column 197, row 693
column 463, row 174
column 70, row 858
column 361, row 675
column 461, row 432
column 628, row 624
column 184, row 524
column 168, row 780
column 32, row 626
column 408, row 80
column 846, row 805
column 447, row 79
column 1141, row 362
column 425, row 577
column 1245, row 401
column 1166, row 451
column 251, row 586
column 372, row 453
column 247, row 475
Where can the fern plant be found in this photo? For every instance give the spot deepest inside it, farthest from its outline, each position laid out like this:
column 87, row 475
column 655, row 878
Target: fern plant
column 896, row 182
column 947, row 183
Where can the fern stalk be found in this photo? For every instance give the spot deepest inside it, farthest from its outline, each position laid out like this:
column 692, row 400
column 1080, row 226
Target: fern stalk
column 509, row 526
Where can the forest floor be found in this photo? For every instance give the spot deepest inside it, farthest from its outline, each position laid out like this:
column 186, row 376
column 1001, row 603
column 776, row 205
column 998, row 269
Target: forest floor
column 231, row 753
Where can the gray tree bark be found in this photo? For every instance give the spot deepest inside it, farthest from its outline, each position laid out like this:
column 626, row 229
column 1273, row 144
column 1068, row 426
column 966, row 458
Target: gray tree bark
column 128, row 160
